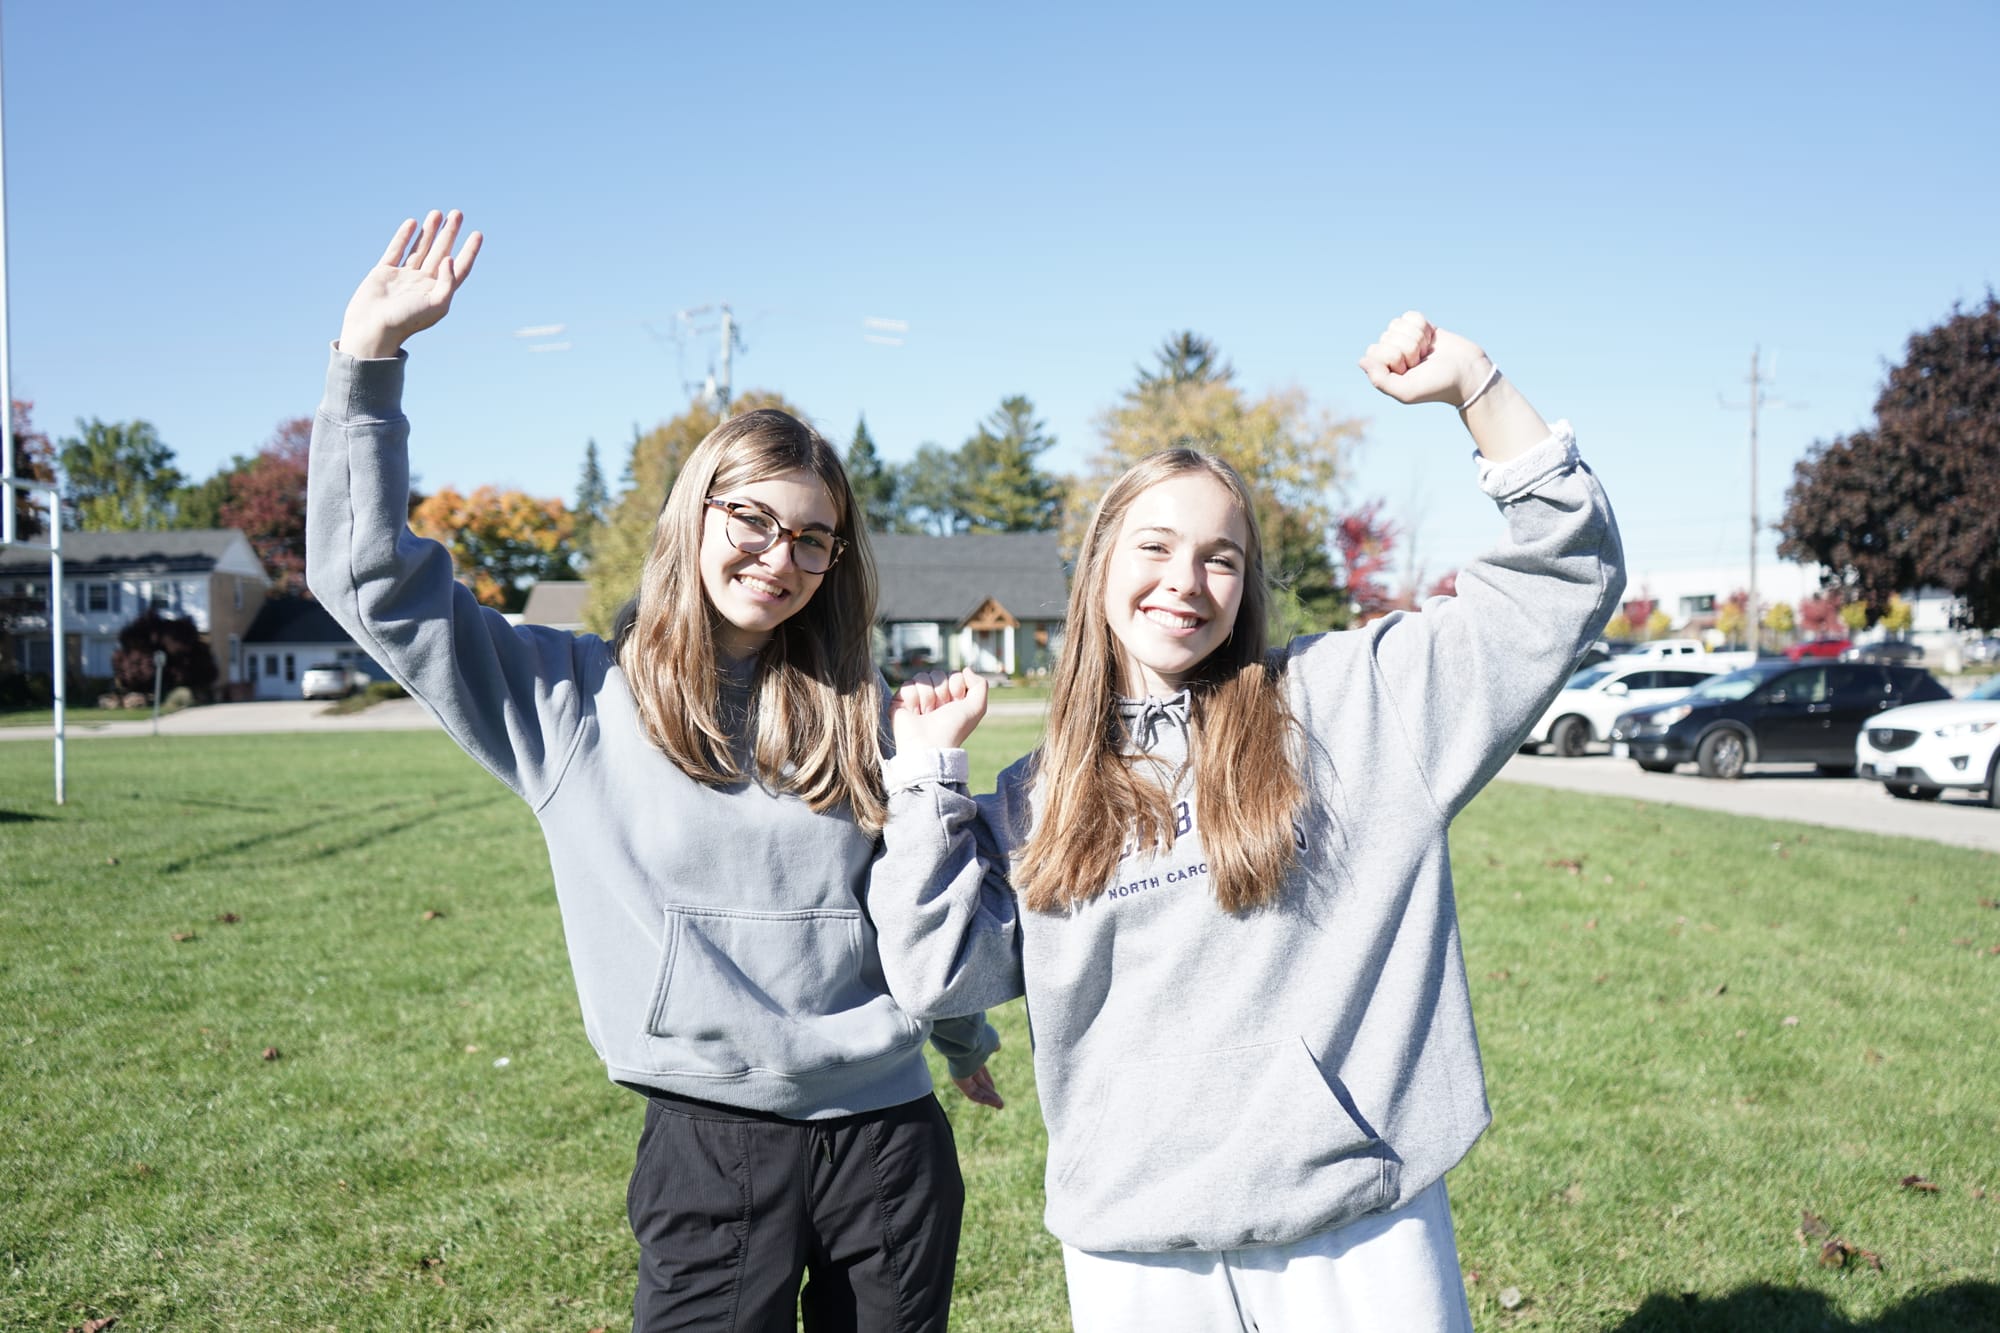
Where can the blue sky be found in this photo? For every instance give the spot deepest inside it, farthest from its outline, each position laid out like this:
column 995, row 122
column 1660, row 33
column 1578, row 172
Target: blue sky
column 1619, row 202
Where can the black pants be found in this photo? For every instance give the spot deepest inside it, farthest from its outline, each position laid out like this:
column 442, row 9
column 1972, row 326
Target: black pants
column 731, row 1209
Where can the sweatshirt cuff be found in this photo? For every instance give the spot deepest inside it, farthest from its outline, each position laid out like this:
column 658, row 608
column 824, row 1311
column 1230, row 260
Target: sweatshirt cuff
column 358, row 390
column 1509, row 481
column 911, row 769
column 966, row 1064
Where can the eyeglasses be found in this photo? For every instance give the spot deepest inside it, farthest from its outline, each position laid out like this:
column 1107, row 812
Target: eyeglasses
column 751, row 530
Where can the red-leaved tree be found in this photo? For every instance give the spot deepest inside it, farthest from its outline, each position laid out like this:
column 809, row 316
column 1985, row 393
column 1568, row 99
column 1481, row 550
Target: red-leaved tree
column 267, row 500
column 34, row 457
column 1365, row 540
column 188, row 661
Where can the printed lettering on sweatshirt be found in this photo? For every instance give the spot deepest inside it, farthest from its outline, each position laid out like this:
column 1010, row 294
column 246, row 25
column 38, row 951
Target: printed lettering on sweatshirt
column 1132, row 884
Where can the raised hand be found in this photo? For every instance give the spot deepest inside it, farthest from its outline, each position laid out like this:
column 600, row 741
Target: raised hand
column 411, row 288
column 1414, row 361
column 936, row 710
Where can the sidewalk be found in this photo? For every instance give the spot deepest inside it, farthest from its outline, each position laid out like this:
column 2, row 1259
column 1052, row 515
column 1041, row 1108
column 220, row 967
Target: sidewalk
column 243, row 719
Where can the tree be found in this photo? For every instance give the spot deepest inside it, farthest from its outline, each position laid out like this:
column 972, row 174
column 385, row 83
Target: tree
column 1000, row 487
column 188, row 662
column 1186, row 358
column 501, row 542
column 1778, row 618
column 267, row 500
column 1658, row 624
column 619, row 548
column 1854, row 616
column 1913, row 501
column 1446, row 585
column 1288, row 454
column 119, row 477
column 1900, row 615
column 593, row 500
column 1618, row 627
column 199, row 504
column 1364, row 539
column 872, row 481
column 929, row 493
column 1733, row 615
column 34, row 459
column 1819, row 616
column 1639, row 613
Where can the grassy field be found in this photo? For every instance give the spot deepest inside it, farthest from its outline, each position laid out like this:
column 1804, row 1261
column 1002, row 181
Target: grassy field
column 288, row 1040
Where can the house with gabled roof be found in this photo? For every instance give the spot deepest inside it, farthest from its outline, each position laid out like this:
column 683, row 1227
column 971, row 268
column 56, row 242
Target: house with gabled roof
column 211, row 576
column 993, row 602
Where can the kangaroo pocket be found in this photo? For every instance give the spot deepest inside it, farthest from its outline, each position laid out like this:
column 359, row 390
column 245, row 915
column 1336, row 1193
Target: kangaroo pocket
column 1216, row 1150
column 770, row 992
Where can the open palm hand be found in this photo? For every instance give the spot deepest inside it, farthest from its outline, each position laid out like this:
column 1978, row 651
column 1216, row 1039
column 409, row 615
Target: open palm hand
column 411, row 288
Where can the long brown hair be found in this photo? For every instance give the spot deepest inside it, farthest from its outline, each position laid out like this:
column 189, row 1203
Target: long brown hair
column 817, row 712
column 1092, row 798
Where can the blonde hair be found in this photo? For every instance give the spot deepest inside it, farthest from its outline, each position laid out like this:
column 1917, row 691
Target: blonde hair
column 1094, row 799
column 817, row 714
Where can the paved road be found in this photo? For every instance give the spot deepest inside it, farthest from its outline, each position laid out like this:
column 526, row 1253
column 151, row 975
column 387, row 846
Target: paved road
column 1777, row 791
column 1774, row 791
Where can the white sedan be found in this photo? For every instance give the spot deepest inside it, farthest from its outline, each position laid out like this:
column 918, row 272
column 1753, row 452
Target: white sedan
column 1918, row 751
column 1595, row 696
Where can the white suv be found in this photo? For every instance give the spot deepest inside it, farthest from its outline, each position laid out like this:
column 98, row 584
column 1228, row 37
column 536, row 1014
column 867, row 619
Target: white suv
column 1917, row 751
column 1595, row 696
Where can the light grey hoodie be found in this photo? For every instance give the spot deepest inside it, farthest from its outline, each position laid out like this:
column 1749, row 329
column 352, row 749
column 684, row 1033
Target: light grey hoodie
column 1214, row 1080
column 716, row 933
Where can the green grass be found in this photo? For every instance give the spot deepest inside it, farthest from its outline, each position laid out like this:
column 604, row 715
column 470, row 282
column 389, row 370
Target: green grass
column 72, row 717
column 1659, row 1126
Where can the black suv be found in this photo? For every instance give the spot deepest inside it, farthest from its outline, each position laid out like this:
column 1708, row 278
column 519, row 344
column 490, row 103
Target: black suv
column 1774, row 712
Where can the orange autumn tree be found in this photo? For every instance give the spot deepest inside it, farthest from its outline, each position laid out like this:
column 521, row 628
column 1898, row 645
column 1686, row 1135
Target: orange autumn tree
column 501, row 542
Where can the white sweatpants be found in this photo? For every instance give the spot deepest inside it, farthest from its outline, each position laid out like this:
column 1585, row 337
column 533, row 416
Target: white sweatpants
column 1394, row 1272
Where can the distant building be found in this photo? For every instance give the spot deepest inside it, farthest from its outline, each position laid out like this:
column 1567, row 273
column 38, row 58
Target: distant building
column 210, row 576
column 557, row 604
column 994, row 602
column 290, row 636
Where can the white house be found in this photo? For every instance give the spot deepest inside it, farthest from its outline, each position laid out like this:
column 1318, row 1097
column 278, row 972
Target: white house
column 210, row 576
column 991, row 602
column 290, row 636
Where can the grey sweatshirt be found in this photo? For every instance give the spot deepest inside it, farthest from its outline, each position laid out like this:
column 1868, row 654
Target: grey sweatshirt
column 716, row 933
column 1213, row 1080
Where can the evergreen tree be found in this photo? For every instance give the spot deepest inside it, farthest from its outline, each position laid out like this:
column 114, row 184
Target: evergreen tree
column 1000, row 487
column 873, row 482
column 593, row 501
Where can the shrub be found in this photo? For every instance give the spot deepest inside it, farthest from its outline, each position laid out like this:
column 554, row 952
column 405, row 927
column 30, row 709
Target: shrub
column 378, row 690
column 178, row 698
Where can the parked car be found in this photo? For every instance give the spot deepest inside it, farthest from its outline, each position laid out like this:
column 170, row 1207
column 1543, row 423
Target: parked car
column 1983, row 650
column 1885, row 650
column 1665, row 648
column 1774, row 712
column 1917, row 752
column 1799, row 652
column 331, row 680
column 1594, row 697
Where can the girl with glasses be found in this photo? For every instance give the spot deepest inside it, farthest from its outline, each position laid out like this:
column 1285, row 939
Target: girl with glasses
column 1223, row 884
column 709, row 786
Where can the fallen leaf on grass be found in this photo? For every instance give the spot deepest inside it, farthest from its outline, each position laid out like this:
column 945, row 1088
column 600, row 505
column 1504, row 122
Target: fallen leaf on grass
column 1871, row 1056
column 1592, row 923
column 270, row 1052
column 1510, row 1298
column 183, row 936
column 1918, row 1185
column 1601, row 978
column 1721, row 989
column 111, row 860
column 1789, row 1021
column 94, row 1325
column 433, row 914
column 1811, row 1227
column 1979, row 1192
column 1501, row 975
column 1572, row 1195
column 430, row 1263
column 229, row 918
column 1990, row 904
column 1573, row 865
column 1963, row 941
column 1838, row 1253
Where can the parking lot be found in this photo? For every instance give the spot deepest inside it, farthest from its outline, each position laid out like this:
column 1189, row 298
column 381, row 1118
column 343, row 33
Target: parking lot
column 1774, row 791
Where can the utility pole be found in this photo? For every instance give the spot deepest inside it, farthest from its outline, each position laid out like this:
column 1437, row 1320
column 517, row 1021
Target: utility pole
column 729, row 343
column 716, row 390
column 1754, row 622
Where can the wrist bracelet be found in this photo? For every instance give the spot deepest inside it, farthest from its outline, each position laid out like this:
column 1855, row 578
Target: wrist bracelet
column 1491, row 376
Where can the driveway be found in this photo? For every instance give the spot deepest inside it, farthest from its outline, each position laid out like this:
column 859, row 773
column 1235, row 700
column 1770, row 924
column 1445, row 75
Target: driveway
column 1774, row 791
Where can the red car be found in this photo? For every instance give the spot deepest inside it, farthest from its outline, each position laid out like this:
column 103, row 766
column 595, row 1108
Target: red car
column 1798, row 652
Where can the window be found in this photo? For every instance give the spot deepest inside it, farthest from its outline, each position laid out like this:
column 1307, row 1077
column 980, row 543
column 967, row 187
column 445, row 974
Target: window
column 290, row 667
column 237, row 584
column 253, row 668
column 162, row 596
column 97, row 597
column 270, row 664
column 1681, row 680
